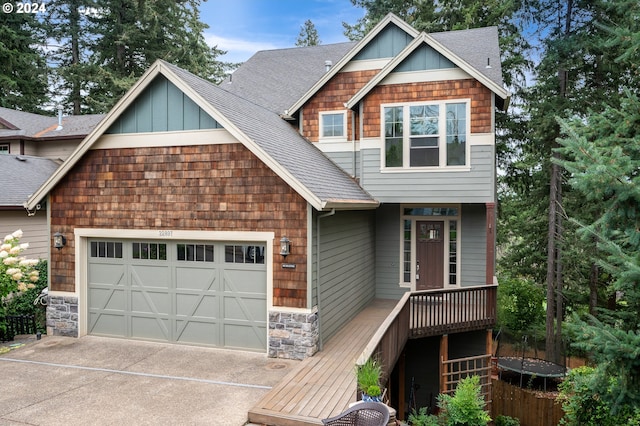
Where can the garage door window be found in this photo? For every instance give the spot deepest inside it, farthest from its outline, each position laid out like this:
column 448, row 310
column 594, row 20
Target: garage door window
column 107, row 249
column 195, row 252
column 243, row 254
column 151, row 251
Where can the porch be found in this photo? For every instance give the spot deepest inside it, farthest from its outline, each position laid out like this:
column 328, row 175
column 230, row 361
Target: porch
column 325, row 384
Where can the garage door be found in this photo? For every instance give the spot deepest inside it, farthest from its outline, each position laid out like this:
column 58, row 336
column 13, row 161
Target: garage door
column 205, row 293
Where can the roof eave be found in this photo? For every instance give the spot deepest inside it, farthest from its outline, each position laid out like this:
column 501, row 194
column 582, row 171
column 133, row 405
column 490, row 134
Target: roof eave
column 390, row 18
column 349, row 205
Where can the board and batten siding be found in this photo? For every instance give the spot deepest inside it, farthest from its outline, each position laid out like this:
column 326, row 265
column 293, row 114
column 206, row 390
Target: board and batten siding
column 439, row 186
column 34, row 231
column 347, row 267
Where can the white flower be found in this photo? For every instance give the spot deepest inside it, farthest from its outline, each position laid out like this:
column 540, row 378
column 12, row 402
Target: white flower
column 12, row 271
column 10, row 261
column 6, row 247
column 21, row 286
column 8, row 238
column 3, row 254
column 17, row 276
column 24, row 246
column 17, row 234
column 15, row 250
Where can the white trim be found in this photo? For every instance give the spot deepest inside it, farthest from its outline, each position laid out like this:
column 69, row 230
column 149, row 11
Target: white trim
column 310, row 231
column 157, row 139
column 388, row 19
column 81, row 257
column 344, row 146
column 328, row 139
column 366, row 65
column 446, row 220
column 442, row 136
column 481, row 139
column 425, row 76
column 372, row 143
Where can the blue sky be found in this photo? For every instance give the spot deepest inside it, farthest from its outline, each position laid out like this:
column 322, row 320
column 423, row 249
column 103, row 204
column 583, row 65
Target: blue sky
column 243, row 27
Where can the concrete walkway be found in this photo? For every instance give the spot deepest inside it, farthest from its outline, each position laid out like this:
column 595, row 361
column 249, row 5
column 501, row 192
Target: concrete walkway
column 105, row 381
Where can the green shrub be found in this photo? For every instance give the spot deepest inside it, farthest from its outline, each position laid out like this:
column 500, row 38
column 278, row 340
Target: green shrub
column 507, row 421
column 23, row 303
column 520, row 307
column 466, row 406
column 368, row 374
column 421, row 418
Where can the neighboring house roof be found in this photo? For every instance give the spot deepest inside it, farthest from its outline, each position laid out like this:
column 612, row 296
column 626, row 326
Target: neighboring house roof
column 275, row 79
column 22, row 175
column 26, row 125
column 298, row 162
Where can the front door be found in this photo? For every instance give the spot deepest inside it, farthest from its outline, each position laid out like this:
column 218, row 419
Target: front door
column 429, row 255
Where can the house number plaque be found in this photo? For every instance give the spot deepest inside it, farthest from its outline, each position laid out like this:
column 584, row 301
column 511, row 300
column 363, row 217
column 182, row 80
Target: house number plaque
column 288, row 266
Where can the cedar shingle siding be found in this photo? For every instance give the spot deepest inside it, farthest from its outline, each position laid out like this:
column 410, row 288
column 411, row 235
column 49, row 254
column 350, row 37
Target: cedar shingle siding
column 209, row 187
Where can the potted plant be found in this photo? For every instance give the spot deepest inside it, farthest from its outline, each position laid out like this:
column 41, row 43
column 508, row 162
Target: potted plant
column 368, row 377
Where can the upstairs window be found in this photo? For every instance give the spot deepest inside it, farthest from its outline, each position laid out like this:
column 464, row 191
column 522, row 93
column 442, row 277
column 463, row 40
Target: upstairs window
column 426, row 135
column 332, row 125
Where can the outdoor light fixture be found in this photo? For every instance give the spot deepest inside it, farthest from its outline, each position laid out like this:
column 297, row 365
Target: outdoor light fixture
column 285, row 246
column 59, row 240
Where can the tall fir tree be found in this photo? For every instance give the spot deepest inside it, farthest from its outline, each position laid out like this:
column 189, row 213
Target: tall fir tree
column 308, row 35
column 23, row 71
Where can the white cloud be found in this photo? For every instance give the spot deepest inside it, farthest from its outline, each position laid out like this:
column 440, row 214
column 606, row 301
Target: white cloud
column 238, row 50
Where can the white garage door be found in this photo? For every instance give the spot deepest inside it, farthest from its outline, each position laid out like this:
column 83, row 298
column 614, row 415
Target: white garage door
column 205, row 293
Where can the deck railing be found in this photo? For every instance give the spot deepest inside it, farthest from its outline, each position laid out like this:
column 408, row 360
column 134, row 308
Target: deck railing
column 436, row 312
column 430, row 313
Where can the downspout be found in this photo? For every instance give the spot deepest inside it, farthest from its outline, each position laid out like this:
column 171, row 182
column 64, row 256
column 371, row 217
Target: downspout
column 353, row 140
column 320, row 216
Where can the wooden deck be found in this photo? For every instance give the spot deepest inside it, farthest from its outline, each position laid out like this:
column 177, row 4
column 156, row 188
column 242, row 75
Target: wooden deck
column 325, row 384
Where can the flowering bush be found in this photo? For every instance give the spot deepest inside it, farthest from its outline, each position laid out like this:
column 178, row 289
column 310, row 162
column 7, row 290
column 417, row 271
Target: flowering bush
column 17, row 273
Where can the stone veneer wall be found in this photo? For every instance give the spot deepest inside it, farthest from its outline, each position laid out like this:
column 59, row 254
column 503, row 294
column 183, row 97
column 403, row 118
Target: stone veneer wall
column 62, row 316
column 293, row 335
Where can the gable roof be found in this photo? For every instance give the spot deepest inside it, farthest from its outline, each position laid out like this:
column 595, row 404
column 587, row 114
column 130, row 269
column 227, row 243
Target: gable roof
column 26, row 125
column 468, row 49
column 309, row 172
column 261, row 78
column 22, row 175
column 471, row 58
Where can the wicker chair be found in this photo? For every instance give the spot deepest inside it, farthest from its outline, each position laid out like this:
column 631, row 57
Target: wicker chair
column 361, row 414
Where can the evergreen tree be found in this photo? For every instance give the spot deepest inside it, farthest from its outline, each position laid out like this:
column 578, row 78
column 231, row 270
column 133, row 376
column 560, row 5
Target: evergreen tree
column 308, row 35
column 131, row 34
column 23, row 73
column 67, row 24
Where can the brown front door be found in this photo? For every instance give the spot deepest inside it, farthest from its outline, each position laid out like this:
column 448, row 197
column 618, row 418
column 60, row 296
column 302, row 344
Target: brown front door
column 429, row 255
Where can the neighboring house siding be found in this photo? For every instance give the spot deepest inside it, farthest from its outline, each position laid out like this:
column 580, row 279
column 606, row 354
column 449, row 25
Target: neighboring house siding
column 209, row 187
column 441, row 186
column 34, row 229
column 54, row 150
column 332, row 98
column 474, row 245
column 347, row 267
column 388, row 252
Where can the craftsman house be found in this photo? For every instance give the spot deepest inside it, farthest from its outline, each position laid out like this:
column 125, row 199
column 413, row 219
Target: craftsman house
column 266, row 212
column 32, row 146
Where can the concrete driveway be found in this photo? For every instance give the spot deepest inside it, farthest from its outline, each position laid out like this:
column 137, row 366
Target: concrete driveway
column 102, row 381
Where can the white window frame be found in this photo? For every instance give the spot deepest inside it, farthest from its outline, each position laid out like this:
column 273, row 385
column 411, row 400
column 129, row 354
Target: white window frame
column 322, row 137
column 442, row 136
column 5, row 148
column 446, row 219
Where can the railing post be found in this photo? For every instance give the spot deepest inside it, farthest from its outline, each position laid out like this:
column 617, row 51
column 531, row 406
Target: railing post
column 444, row 356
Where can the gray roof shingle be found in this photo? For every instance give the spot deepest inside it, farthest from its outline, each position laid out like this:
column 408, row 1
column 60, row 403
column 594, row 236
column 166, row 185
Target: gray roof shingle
column 276, row 79
column 31, row 125
column 21, row 176
column 280, row 141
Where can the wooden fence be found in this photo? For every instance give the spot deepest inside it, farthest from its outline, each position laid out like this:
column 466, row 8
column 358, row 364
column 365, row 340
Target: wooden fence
column 530, row 407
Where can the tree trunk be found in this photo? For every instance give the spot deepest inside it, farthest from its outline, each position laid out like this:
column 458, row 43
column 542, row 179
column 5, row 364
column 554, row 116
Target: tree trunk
column 593, row 289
